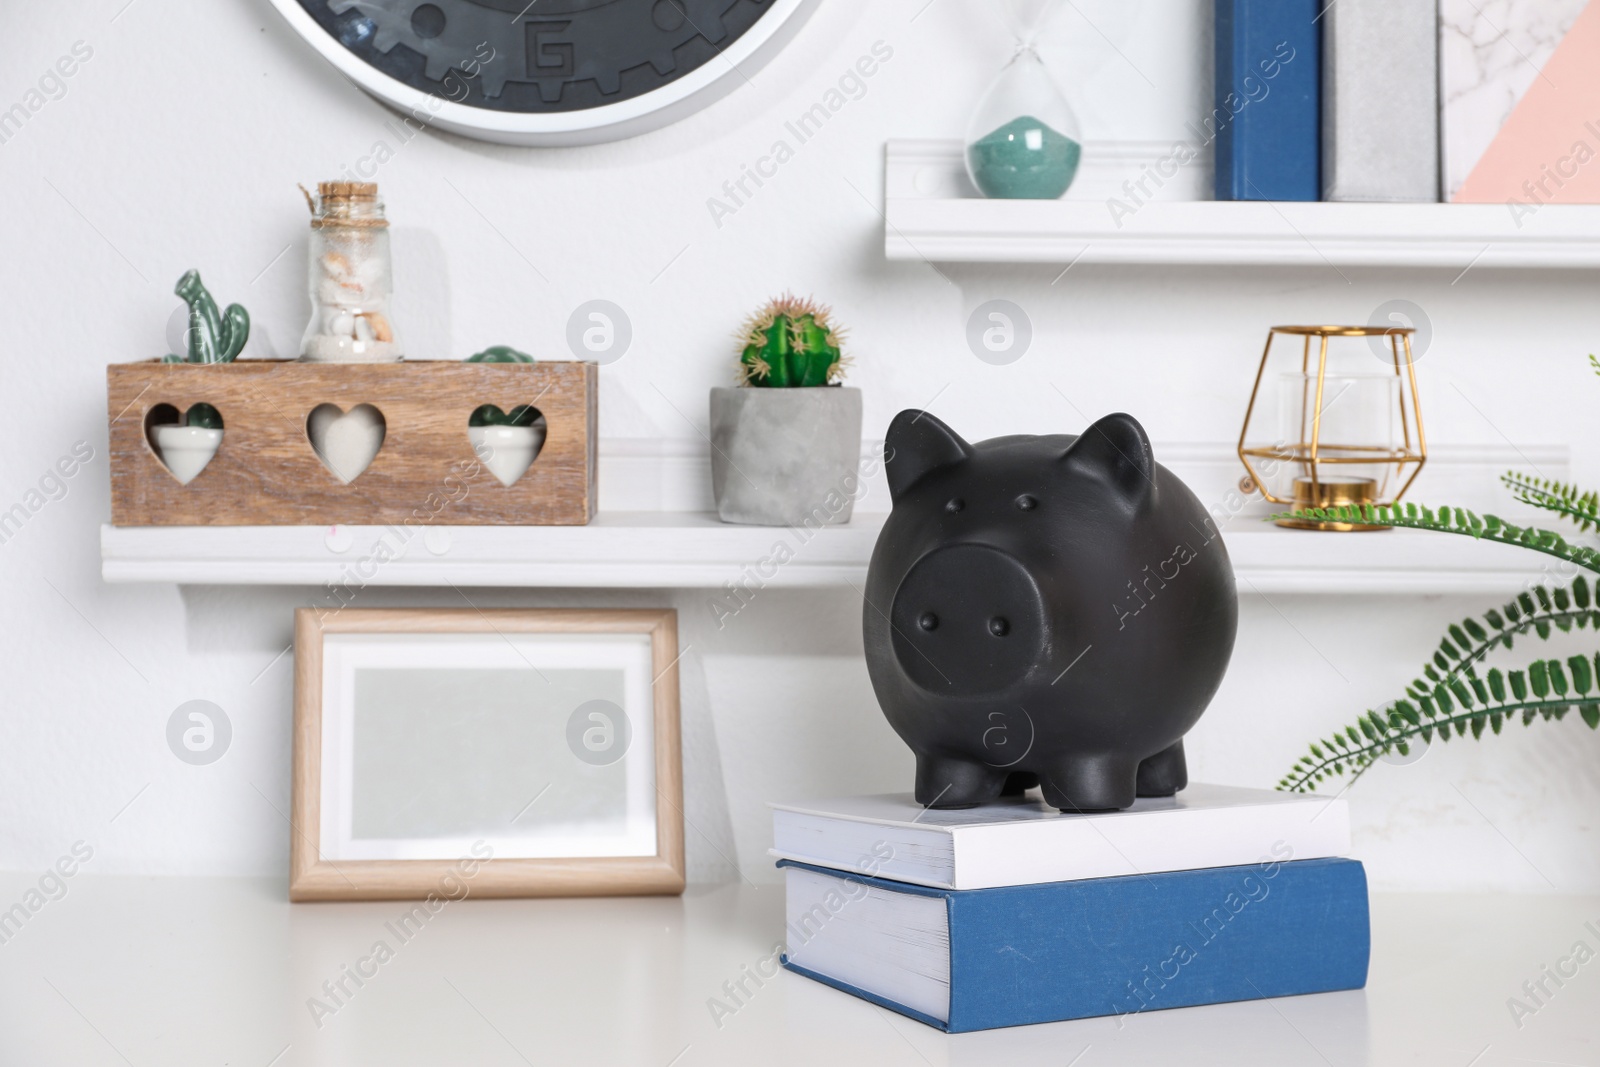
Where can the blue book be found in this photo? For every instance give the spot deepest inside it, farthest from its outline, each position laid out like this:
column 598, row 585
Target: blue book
column 1266, row 116
column 976, row 959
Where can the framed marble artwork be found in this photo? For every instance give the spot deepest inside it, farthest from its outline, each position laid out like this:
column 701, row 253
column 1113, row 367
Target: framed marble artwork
column 1515, row 78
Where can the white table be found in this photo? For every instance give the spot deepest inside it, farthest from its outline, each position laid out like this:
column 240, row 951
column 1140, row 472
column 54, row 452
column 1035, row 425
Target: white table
column 152, row 971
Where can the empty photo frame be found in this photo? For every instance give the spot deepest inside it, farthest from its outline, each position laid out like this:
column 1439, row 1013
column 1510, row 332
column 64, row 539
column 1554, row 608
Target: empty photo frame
column 514, row 753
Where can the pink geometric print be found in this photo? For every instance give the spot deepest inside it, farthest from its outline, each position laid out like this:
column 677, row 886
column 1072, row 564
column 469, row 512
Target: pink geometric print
column 1548, row 151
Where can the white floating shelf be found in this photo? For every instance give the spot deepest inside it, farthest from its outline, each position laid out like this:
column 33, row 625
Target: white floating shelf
column 692, row 550
column 617, row 550
column 931, row 214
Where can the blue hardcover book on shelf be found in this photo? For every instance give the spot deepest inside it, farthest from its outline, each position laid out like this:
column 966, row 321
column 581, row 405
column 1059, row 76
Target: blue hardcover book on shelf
column 976, row 959
column 1266, row 116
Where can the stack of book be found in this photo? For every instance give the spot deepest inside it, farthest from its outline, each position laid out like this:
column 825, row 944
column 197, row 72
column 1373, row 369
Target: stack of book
column 1406, row 100
column 1015, row 913
column 1326, row 100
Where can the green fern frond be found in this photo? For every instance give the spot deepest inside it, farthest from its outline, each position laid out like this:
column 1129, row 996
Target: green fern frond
column 1450, row 696
column 1543, row 611
column 1455, row 521
column 1557, row 497
column 1546, row 689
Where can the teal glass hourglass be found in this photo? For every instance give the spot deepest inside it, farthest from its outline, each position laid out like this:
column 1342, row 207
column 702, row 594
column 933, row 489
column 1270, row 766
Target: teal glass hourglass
column 1023, row 142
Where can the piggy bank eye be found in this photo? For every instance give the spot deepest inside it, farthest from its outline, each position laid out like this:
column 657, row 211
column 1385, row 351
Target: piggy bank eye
column 955, row 505
column 1026, row 503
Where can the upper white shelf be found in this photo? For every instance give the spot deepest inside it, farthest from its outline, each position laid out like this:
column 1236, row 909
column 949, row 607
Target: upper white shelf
column 931, row 214
column 656, row 550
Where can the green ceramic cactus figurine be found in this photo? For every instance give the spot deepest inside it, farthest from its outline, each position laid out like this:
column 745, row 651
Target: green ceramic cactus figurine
column 500, row 354
column 204, row 416
column 790, row 343
column 211, row 337
column 489, row 415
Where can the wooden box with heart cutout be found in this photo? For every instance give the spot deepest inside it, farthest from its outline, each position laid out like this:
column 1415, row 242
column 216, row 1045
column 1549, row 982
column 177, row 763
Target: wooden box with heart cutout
column 404, row 443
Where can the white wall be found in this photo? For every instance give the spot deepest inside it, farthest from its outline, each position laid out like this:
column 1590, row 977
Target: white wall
column 179, row 144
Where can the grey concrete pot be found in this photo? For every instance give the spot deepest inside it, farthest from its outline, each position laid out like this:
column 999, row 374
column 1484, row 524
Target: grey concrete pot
column 785, row 457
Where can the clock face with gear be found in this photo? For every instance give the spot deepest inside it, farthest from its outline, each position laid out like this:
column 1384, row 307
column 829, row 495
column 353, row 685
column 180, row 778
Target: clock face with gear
column 547, row 71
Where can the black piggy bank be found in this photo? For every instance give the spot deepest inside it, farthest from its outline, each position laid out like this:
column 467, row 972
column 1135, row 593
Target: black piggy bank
column 1051, row 610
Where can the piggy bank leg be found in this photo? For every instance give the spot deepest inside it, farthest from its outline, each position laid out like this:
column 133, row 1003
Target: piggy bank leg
column 1018, row 783
column 1091, row 783
column 953, row 783
column 1165, row 773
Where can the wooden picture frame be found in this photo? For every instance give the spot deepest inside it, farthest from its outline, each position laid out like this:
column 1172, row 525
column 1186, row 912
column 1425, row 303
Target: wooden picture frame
column 332, row 648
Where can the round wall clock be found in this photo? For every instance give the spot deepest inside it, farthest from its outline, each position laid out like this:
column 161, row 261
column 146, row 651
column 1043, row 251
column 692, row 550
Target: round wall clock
column 547, row 72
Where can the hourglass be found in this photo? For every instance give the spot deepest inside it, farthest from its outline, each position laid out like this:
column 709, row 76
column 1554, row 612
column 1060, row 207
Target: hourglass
column 1023, row 142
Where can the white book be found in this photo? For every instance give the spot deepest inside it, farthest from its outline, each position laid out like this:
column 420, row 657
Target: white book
column 1380, row 100
column 1023, row 841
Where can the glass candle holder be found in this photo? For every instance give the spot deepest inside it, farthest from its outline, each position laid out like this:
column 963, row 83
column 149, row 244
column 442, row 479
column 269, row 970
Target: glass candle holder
column 1345, row 434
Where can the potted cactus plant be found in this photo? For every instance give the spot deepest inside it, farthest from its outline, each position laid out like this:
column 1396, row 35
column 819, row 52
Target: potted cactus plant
column 506, row 441
column 212, row 337
column 786, row 441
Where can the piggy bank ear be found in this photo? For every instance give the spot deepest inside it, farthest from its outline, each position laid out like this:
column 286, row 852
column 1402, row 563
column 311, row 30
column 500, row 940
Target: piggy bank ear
column 916, row 444
column 1116, row 450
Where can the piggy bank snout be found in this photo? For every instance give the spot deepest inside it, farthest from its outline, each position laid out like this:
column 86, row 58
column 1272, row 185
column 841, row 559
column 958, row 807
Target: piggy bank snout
column 968, row 619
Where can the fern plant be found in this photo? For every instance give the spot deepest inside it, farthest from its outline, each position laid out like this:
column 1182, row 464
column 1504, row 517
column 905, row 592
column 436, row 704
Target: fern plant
column 1454, row 695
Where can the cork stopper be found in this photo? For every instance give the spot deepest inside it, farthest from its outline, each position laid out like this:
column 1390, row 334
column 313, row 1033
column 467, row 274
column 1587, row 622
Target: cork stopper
column 347, row 190
column 345, row 204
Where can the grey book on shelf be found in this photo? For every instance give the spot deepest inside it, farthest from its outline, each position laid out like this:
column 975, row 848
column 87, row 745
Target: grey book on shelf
column 1380, row 100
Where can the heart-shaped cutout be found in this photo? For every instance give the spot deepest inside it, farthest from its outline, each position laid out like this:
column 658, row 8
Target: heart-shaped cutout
column 346, row 441
column 184, row 443
column 507, row 442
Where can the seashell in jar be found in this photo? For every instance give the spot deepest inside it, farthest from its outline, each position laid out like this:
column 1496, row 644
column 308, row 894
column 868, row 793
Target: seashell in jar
column 378, row 325
column 369, row 272
column 335, row 265
column 330, row 291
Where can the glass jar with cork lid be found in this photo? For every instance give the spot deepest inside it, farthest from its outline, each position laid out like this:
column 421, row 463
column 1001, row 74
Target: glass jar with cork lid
column 350, row 277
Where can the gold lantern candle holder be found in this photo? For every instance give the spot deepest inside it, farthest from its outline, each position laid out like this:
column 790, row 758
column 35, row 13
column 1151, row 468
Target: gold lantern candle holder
column 1346, row 434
